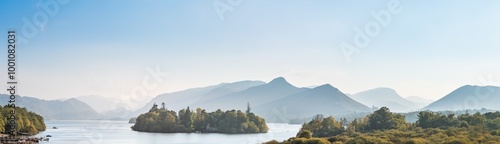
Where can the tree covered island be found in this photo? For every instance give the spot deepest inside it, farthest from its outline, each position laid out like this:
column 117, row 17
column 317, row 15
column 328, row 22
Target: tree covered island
column 27, row 123
column 162, row 120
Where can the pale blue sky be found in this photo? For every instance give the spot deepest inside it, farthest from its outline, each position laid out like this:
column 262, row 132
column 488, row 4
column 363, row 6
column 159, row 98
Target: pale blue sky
column 95, row 47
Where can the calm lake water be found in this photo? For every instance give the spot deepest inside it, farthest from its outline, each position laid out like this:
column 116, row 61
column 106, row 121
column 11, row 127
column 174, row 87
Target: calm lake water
column 119, row 132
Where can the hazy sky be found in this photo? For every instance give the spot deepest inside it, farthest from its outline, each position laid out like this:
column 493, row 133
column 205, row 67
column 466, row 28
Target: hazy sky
column 95, row 47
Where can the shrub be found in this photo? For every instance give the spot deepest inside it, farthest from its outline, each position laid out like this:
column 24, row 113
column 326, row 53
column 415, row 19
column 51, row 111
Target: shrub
column 457, row 141
column 416, row 141
column 272, row 142
column 366, row 140
column 305, row 134
column 494, row 132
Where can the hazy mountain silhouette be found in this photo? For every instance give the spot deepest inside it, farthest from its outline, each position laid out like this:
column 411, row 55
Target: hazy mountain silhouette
column 324, row 99
column 100, row 104
column 228, row 88
column 71, row 109
column 387, row 97
column 276, row 89
column 468, row 97
column 120, row 113
column 421, row 102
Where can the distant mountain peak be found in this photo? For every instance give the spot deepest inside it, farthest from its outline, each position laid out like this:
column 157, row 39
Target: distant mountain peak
column 325, row 87
column 324, row 99
column 460, row 99
column 279, row 80
column 385, row 89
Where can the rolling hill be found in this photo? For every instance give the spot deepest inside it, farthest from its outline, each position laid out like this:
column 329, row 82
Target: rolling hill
column 276, row 89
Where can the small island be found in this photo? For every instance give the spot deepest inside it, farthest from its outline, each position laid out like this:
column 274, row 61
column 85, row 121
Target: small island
column 162, row 120
column 27, row 123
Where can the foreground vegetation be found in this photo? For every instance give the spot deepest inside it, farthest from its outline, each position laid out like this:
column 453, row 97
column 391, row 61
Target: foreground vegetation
column 384, row 126
column 167, row 121
column 28, row 123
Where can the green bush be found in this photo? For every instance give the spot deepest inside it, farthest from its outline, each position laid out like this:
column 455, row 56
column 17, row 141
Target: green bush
column 494, row 132
column 272, row 142
column 416, row 141
column 305, row 134
column 309, row 141
column 366, row 140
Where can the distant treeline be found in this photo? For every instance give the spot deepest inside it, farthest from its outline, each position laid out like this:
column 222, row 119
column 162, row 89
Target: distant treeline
column 413, row 116
column 28, row 122
column 384, row 126
column 167, row 121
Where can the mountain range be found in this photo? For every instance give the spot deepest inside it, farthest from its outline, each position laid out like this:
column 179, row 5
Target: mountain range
column 100, row 104
column 271, row 100
column 468, row 97
column 70, row 109
column 196, row 96
column 276, row 89
column 280, row 101
column 276, row 101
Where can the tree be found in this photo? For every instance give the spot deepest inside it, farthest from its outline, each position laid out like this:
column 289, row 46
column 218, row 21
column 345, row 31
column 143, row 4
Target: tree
column 188, row 119
column 305, row 134
column 2, row 122
column 473, row 120
column 492, row 115
column 318, row 117
column 427, row 119
column 344, row 121
column 383, row 119
column 329, row 127
column 154, row 108
column 351, row 127
column 248, row 108
column 199, row 122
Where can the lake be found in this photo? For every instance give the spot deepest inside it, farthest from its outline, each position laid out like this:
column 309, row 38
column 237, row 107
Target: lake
column 109, row 132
